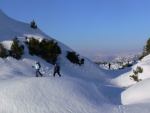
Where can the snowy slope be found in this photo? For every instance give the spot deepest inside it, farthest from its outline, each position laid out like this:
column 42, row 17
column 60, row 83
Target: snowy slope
column 85, row 89
column 124, row 79
column 137, row 93
column 21, row 91
column 11, row 28
column 45, row 95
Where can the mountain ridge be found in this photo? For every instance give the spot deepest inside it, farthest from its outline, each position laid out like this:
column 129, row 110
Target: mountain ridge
column 116, row 58
column 12, row 28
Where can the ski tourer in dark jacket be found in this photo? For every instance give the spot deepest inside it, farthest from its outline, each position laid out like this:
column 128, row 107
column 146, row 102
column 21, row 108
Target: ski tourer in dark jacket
column 56, row 70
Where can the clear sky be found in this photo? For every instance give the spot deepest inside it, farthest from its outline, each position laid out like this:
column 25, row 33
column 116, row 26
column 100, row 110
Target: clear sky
column 88, row 26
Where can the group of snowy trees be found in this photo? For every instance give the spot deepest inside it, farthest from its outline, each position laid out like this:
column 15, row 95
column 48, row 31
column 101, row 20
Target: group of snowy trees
column 46, row 49
column 74, row 58
column 15, row 51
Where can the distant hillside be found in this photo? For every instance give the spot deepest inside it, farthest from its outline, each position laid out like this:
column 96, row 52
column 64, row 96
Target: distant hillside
column 127, row 57
column 115, row 58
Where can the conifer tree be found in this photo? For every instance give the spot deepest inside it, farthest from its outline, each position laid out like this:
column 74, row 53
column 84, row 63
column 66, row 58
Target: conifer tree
column 33, row 25
column 74, row 58
column 148, row 46
column 34, row 46
column 3, row 53
column 47, row 49
column 82, row 61
column 16, row 51
column 146, row 49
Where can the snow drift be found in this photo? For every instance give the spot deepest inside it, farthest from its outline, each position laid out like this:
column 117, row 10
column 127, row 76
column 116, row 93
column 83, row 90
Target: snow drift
column 138, row 93
column 48, row 95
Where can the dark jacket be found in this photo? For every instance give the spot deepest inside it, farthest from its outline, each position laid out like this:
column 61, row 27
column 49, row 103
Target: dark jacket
column 57, row 68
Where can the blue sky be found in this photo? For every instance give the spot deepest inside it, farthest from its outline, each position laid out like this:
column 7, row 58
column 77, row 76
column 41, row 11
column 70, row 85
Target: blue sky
column 88, row 26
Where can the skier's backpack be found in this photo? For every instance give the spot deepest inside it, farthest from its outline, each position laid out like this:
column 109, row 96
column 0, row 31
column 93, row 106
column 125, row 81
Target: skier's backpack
column 39, row 65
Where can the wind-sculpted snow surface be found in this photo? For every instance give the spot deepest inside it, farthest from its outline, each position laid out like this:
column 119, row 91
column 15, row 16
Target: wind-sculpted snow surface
column 49, row 95
column 138, row 93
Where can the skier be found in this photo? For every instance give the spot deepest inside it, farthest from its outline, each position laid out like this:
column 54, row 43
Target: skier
column 37, row 66
column 56, row 70
column 109, row 65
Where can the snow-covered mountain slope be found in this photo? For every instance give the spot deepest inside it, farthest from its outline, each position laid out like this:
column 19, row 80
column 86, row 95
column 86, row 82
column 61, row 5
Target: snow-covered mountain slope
column 124, row 79
column 138, row 92
column 127, row 57
column 70, row 93
column 81, row 89
column 116, row 58
column 11, row 28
